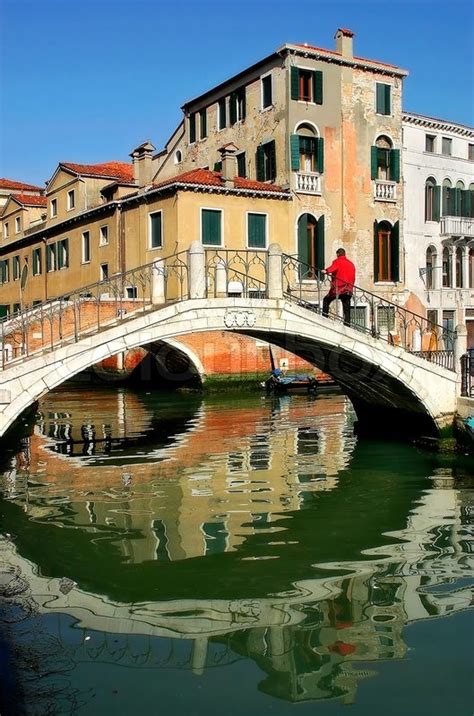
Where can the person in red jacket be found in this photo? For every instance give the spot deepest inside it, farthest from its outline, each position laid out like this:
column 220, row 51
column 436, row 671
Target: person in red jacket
column 342, row 273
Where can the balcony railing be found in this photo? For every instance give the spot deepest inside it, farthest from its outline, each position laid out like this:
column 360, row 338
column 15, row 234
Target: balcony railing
column 385, row 190
column 308, row 182
column 457, row 226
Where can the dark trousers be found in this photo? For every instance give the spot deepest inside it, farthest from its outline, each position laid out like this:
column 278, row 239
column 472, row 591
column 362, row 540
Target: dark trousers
column 345, row 299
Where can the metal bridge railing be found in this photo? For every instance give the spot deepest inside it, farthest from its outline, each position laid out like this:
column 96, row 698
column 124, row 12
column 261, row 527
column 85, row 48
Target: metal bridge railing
column 236, row 273
column 467, row 374
column 371, row 314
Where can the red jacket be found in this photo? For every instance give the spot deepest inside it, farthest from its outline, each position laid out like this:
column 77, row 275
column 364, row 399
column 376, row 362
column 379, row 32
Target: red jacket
column 342, row 276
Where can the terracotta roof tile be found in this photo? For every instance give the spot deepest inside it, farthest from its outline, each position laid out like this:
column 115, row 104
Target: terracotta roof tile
column 19, row 186
column 30, row 200
column 339, row 54
column 205, row 177
column 123, row 171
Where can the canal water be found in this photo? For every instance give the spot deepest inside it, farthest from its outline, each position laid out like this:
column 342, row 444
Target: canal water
column 174, row 554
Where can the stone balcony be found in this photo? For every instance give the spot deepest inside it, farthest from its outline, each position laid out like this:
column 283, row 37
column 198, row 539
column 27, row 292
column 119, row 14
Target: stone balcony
column 457, row 226
column 308, row 183
column 385, row 190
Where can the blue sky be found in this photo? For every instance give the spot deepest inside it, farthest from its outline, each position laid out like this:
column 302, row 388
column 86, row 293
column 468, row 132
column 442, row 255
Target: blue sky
column 88, row 81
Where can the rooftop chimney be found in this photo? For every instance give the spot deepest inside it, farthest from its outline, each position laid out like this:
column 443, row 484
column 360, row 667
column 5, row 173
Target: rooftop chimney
column 344, row 42
column 142, row 164
column 229, row 164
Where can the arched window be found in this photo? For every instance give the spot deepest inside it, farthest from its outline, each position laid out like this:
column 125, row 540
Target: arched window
column 306, row 150
column 447, row 268
column 431, row 200
column 471, row 267
column 384, row 145
column 178, row 157
column 431, row 257
column 310, row 245
column 459, row 268
column 386, row 251
column 448, row 198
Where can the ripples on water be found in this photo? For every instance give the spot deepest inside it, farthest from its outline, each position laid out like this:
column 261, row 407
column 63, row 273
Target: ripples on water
column 177, row 536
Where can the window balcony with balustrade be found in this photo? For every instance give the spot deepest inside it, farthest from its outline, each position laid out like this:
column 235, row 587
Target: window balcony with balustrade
column 457, row 226
column 385, row 190
column 308, row 182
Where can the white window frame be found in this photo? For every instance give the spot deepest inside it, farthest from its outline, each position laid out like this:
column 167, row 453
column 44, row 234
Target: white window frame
column 435, row 142
column 150, row 214
column 272, row 85
column 176, row 159
column 450, row 145
column 6, row 230
column 101, row 235
column 71, row 200
column 16, row 267
column 306, row 101
column 17, row 224
column 84, row 234
column 212, row 208
column 53, row 208
column 101, row 268
column 267, row 223
column 38, row 262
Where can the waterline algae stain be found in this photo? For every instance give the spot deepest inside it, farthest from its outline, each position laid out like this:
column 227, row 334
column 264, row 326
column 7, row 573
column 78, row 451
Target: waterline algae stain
column 232, row 555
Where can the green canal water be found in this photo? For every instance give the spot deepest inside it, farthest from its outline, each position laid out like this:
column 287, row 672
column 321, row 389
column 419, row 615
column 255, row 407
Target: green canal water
column 173, row 554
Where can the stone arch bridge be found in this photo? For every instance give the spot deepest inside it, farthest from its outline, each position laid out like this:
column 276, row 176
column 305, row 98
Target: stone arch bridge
column 264, row 295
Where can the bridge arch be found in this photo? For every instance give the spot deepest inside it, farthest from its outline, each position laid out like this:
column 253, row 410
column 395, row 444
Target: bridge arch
column 385, row 383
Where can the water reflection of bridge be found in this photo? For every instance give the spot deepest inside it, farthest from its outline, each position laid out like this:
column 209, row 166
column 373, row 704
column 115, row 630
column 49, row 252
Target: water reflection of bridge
column 308, row 620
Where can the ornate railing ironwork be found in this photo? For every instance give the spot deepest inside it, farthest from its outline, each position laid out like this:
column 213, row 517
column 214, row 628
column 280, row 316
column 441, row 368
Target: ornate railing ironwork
column 236, row 273
column 94, row 307
column 371, row 314
column 467, row 374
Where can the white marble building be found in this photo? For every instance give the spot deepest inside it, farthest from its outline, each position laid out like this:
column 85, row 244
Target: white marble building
column 438, row 170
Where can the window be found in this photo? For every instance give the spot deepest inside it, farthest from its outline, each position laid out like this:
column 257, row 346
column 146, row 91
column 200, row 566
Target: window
column 211, row 227
column 241, row 166
column 306, row 85
column 16, row 268
column 267, row 100
column 192, row 127
column 430, row 265
column 51, row 257
column 203, row 124
column 36, row 262
column 447, row 268
column 383, row 103
column 86, row 247
column 17, row 225
column 53, row 207
column 155, row 233
column 432, row 200
column 470, row 152
column 103, row 235
column 257, row 231
column 307, row 151
column 266, row 161
column 62, row 253
column 104, row 272
column 71, row 199
column 432, row 317
column 6, row 230
column 178, row 157
column 449, row 199
column 430, row 143
column 221, row 114
column 386, row 251
column 131, row 292
column 459, row 268
column 385, row 161
column 310, row 246
column 446, row 146
column 386, row 318
column 471, row 267
column 4, row 271
column 237, row 107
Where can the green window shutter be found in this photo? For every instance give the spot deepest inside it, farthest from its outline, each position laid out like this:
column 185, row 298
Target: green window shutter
column 376, row 252
column 218, row 166
column 320, row 264
column 395, row 252
column 303, row 247
column 320, row 154
column 373, row 163
column 16, row 267
column 318, row 87
column 272, row 160
column 260, row 163
column 241, row 166
column 222, row 114
column 436, row 202
column 388, row 99
column 458, row 202
column 203, row 124
column 295, row 152
column 233, row 108
column 244, row 103
column 192, row 127
column 395, row 165
column 211, row 227
column 156, row 238
column 59, row 254
column 295, row 83
column 51, row 257
column 465, row 203
column 383, row 98
column 257, row 231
